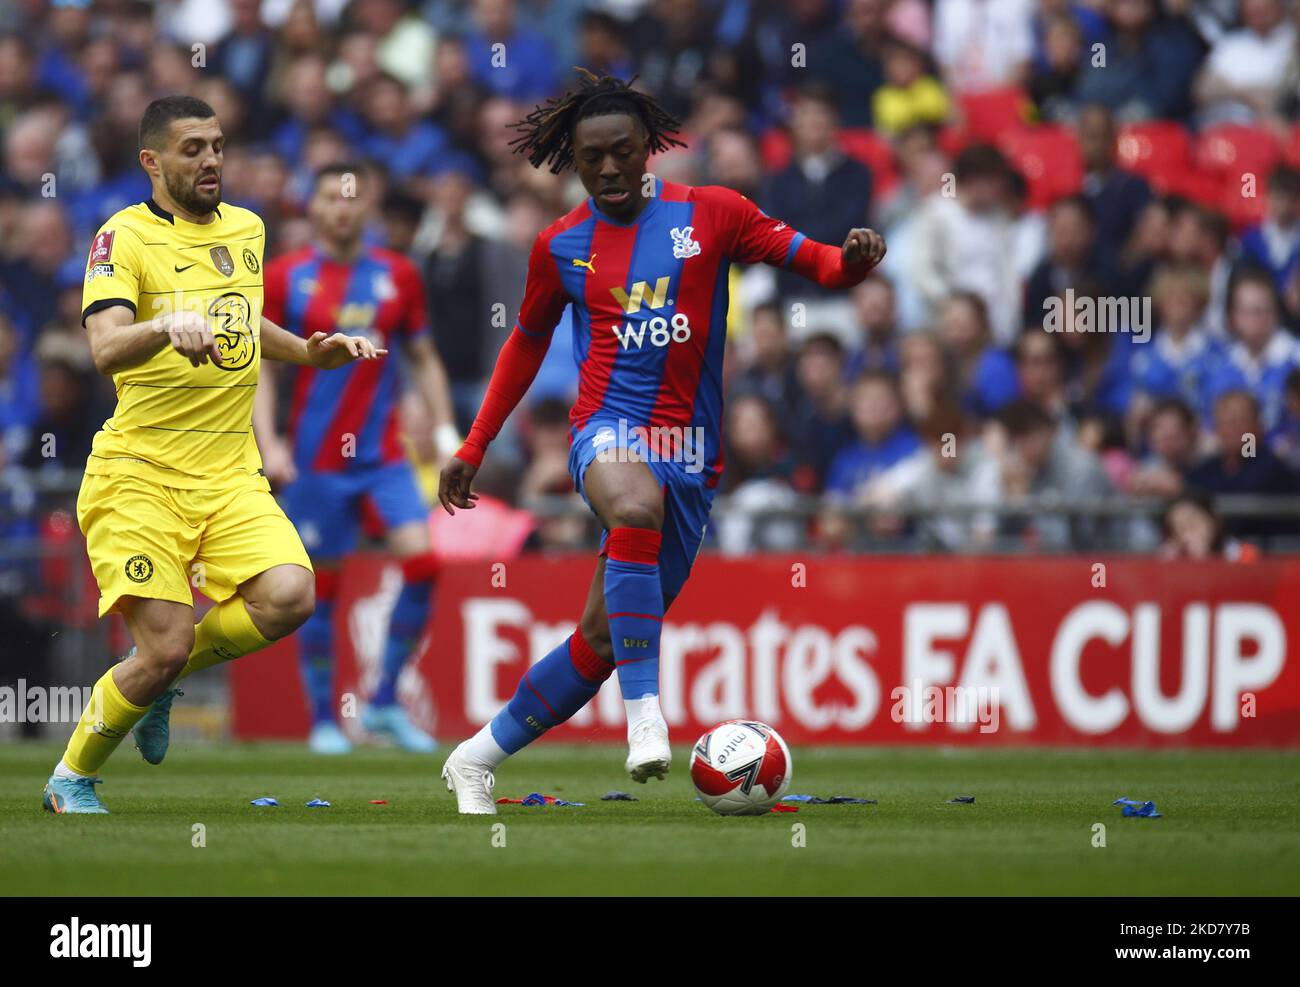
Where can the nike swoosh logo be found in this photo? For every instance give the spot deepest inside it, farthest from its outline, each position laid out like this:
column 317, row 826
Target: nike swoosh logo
column 185, row 268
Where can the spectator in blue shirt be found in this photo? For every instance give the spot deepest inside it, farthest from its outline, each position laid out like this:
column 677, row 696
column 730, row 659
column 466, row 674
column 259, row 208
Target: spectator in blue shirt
column 1284, row 439
column 407, row 146
column 877, row 321
column 986, row 374
column 1090, row 25
column 20, row 404
column 820, row 426
column 1149, row 65
column 506, row 59
column 882, row 437
column 769, row 370
column 1274, row 244
column 1262, row 354
column 1182, row 354
column 309, row 103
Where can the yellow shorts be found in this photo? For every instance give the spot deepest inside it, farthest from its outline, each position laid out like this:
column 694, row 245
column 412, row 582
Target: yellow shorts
column 161, row 543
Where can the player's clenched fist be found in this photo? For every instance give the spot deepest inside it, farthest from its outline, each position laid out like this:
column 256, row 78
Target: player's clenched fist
column 190, row 336
column 328, row 352
column 453, row 485
column 863, row 245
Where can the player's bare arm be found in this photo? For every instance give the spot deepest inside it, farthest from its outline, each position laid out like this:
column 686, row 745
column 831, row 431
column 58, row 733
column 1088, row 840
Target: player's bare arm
column 277, row 456
column 118, row 343
column 322, row 351
column 430, row 379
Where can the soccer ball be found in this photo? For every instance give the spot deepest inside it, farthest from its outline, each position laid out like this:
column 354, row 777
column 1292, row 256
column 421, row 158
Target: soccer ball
column 741, row 768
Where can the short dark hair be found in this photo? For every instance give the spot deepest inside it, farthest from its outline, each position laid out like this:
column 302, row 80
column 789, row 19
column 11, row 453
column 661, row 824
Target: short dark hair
column 1256, row 275
column 403, row 206
column 1202, row 500
column 337, row 169
column 1023, row 416
column 159, row 114
column 827, row 342
column 980, row 161
column 1175, row 406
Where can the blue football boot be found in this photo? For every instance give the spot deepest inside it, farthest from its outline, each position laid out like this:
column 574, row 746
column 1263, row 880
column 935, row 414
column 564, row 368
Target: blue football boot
column 153, row 731
column 392, row 722
column 65, row 795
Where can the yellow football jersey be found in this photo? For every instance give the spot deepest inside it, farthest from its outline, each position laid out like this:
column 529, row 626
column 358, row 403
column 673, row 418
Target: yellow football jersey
column 177, row 424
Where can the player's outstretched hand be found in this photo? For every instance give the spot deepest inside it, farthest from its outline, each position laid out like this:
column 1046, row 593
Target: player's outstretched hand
column 863, row 245
column 453, row 485
column 327, row 352
column 190, row 336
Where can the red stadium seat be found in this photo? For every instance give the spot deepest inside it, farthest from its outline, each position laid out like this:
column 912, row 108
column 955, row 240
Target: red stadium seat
column 1155, row 150
column 988, row 115
column 1201, row 187
column 951, row 140
column 1235, row 149
column 1048, row 158
column 875, row 152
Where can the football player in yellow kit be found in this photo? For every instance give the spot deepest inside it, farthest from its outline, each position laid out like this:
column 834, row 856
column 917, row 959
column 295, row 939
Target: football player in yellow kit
column 174, row 495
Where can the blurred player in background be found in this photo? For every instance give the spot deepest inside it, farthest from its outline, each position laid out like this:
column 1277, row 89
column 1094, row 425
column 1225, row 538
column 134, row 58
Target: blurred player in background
column 344, row 462
column 174, row 495
column 644, row 264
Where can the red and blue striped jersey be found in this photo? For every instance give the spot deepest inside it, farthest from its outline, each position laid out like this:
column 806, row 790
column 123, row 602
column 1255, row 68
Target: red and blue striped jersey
column 650, row 304
column 348, row 417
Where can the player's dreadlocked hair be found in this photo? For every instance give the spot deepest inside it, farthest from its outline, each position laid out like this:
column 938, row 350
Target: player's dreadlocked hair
column 546, row 134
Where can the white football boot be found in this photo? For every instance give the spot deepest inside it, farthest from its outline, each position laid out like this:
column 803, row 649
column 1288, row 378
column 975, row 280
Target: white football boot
column 648, row 753
column 472, row 782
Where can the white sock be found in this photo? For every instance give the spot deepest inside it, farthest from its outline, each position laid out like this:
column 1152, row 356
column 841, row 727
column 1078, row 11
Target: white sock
column 483, row 748
column 645, row 708
column 61, row 770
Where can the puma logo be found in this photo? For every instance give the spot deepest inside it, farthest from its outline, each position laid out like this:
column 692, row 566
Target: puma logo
column 590, row 265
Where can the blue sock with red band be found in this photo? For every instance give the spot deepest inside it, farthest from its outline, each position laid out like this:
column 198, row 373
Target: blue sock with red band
column 316, row 650
column 634, row 598
column 550, row 692
column 407, row 623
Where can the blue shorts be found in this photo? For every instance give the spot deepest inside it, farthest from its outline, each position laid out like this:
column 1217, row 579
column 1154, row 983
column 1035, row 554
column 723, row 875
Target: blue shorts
column 328, row 508
column 687, row 499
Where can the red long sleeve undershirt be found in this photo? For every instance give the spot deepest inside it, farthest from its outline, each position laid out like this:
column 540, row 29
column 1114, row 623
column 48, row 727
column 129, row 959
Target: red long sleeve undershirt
column 522, row 354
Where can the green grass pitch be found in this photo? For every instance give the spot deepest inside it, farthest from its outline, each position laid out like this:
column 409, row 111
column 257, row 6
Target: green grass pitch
column 1231, row 826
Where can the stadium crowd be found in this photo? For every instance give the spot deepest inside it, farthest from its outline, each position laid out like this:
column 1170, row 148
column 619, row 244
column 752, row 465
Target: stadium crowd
column 1092, row 210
